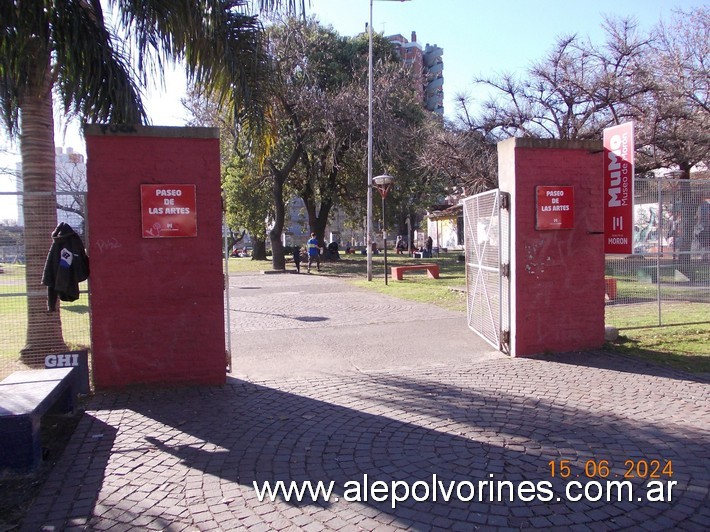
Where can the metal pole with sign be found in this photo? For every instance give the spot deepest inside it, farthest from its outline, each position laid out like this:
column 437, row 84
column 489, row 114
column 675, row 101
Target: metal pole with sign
column 368, row 237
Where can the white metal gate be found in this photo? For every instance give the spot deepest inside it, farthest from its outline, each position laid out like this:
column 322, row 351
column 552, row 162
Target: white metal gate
column 227, row 302
column 487, row 236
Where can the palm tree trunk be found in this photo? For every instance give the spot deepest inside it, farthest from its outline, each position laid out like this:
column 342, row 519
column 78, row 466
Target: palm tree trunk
column 44, row 329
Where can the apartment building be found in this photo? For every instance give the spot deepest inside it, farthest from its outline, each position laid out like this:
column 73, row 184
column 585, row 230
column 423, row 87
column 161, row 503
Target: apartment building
column 428, row 65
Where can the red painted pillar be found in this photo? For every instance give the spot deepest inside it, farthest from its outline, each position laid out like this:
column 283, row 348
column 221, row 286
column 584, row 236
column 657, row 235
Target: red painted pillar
column 557, row 270
column 157, row 284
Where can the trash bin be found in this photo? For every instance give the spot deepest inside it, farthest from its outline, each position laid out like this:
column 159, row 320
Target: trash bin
column 610, row 286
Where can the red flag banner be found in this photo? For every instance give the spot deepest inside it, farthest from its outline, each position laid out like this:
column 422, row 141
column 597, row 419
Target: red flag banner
column 619, row 189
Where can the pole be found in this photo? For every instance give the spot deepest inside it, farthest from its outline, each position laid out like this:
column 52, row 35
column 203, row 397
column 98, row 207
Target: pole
column 368, row 238
column 384, row 234
column 409, row 233
column 659, row 249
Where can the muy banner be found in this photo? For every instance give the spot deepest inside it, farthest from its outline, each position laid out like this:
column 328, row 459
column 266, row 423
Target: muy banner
column 619, row 189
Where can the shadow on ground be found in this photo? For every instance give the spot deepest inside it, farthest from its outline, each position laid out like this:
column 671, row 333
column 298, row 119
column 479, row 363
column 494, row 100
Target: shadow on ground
column 200, row 451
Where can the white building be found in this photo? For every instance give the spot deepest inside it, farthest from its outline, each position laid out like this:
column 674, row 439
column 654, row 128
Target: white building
column 70, row 168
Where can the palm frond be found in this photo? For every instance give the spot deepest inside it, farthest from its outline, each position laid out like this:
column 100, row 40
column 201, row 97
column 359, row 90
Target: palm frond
column 24, row 54
column 93, row 72
column 219, row 42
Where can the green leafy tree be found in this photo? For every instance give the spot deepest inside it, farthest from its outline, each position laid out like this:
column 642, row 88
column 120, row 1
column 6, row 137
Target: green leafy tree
column 248, row 203
column 315, row 139
column 63, row 51
column 320, row 86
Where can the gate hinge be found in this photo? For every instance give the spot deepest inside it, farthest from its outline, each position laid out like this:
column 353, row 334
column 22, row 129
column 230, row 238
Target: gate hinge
column 505, row 201
column 505, row 269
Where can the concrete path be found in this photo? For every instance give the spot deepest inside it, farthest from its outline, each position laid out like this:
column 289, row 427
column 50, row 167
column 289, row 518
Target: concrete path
column 404, row 415
column 307, row 325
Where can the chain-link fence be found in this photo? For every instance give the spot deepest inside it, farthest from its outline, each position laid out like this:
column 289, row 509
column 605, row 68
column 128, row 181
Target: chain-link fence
column 667, row 279
column 28, row 330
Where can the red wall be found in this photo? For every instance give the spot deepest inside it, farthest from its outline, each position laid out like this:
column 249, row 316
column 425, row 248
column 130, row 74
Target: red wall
column 557, row 275
column 157, row 304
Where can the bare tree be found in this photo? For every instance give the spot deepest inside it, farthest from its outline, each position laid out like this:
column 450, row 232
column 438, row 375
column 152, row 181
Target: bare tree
column 71, row 179
column 675, row 123
column 675, row 120
column 575, row 91
column 659, row 81
column 461, row 154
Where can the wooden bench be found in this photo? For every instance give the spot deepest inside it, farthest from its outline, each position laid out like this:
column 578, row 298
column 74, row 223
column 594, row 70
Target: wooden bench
column 432, row 270
column 26, row 396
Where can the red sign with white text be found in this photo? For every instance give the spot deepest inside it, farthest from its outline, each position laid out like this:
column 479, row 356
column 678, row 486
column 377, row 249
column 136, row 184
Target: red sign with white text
column 168, row 211
column 619, row 189
column 555, row 207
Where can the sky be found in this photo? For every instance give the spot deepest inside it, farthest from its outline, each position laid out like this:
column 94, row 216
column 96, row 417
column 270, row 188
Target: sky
column 484, row 37
column 480, row 38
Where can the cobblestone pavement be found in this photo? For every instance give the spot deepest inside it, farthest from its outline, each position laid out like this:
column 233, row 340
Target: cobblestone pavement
column 448, row 435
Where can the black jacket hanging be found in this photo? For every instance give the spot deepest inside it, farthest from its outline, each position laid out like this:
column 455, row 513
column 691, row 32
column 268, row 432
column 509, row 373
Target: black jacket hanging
column 67, row 265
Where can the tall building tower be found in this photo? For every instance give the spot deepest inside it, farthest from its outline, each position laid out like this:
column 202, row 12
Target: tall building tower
column 428, row 67
column 434, row 79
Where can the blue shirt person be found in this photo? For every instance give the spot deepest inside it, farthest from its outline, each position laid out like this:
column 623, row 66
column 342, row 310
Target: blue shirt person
column 313, row 252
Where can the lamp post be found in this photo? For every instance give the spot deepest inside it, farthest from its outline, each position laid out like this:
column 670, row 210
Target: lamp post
column 383, row 183
column 368, row 237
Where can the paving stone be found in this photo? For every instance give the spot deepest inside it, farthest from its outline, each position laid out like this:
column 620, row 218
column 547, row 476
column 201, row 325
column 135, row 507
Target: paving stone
column 188, row 456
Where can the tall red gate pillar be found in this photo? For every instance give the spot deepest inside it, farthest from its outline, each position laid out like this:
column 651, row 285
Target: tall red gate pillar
column 556, row 247
column 155, row 233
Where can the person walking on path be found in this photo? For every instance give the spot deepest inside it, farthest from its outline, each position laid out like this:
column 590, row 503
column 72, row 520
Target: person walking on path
column 297, row 258
column 313, row 252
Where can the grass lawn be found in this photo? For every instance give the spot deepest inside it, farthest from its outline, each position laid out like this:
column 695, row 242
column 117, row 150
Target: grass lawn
column 685, row 347
column 448, row 291
column 13, row 318
column 416, row 286
column 247, row 265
